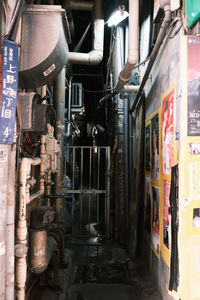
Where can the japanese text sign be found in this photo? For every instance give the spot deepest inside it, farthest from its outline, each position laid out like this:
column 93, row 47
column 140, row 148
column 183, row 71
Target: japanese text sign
column 9, row 86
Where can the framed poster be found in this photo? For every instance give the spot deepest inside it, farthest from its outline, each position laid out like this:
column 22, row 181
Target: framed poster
column 167, row 132
column 155, row 147
column 193, row 86
column 167, row 216
column 155, row 236
column 147, row 206
column 147, row 148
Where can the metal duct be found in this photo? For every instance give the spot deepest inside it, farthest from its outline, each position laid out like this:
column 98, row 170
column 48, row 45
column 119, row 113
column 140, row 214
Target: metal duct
column 79, row 5
column 42, row 248
column 44, row 47
column 95, row 56
column 125, row 74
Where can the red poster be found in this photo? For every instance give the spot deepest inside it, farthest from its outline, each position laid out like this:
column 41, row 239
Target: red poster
column 167, row 222
column 167, row 134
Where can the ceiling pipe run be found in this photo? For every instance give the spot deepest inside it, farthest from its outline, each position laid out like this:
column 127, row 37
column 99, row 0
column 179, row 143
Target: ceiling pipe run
column 125, row 74
column 165, row 5
column 95, row 56
column 80, row 5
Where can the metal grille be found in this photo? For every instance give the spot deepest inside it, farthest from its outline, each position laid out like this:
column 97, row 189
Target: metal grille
column 77, row 97
column 90, row 190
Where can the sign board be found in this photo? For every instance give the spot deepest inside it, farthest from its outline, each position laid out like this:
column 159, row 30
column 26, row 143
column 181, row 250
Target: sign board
column 9, row 86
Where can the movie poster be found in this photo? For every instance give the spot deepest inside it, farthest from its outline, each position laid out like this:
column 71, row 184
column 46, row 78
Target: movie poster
column 147, row 206
column 155, row 146
column 155, row 237
column 167, row 216
column 193, row 86
column 167, row 132
column 147, row 148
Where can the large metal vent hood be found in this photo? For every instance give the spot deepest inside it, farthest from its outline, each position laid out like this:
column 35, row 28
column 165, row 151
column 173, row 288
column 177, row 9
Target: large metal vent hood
column 44, row 47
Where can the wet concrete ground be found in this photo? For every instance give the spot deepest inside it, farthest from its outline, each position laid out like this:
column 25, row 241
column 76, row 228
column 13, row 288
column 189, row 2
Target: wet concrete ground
column 99, row 269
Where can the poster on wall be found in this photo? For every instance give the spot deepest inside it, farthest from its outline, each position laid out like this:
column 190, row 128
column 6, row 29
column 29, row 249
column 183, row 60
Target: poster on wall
column 147, row 206
column 155, row 146
column 167, row 132
column 194, row 179
column 193, row 86
column 167, row 217
column 155, row 237
column 147, row 148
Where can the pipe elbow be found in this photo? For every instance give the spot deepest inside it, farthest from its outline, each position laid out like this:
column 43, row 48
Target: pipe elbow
column 95, row 57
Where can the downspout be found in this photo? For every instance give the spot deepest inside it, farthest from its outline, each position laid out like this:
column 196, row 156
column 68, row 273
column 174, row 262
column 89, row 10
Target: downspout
column 125, row 74
column 69, row 118
column 59, row 106
column 10, row 228
column 165, row 4
column 95, row 56
column 21, row 246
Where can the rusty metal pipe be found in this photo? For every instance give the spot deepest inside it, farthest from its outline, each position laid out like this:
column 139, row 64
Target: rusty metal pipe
column 80, row 5
column 130, row 89
column 165, row 4
column 125, row 74
column 42, row 248
column 95, row 56
column 34, row 196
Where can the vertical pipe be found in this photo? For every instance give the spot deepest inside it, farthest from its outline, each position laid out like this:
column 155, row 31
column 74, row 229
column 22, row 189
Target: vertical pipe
column 107, row 181
column 48, row 187
column 126, row 139
column 73, row 198
column 2, row 19
column 42, row 165
column 90, row 177
column 69, row 117
column 69, row 108
column 4, row 155
column 98, row 178
column 81, row 197
column 59, row 106
column 10, row 230
column 21, row 263
column 126, row 159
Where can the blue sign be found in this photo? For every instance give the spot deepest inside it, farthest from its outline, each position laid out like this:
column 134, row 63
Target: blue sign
column 9, row 86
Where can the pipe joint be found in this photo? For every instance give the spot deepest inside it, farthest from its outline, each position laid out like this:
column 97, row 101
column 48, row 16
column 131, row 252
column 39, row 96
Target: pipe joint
column 21, row 250
column 95, row 57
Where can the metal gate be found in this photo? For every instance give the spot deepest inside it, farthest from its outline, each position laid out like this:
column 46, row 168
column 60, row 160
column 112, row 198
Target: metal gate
column 90, row 190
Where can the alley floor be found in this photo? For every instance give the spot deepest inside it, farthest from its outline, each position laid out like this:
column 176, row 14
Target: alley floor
column 99, row 269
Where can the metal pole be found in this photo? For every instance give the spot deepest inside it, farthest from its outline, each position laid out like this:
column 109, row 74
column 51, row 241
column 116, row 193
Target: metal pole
column 108, row 193
column 59, row 106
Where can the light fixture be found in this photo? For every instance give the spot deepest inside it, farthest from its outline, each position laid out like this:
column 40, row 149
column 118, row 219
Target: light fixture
column 118, row 16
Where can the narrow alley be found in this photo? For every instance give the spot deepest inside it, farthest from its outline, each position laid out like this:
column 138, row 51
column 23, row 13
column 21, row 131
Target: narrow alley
column 100, row 149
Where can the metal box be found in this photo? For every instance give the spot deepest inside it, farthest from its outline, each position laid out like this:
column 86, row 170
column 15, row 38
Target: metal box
column 44, row 46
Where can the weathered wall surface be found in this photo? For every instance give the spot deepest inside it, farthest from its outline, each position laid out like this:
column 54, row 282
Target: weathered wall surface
column 165, row 74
